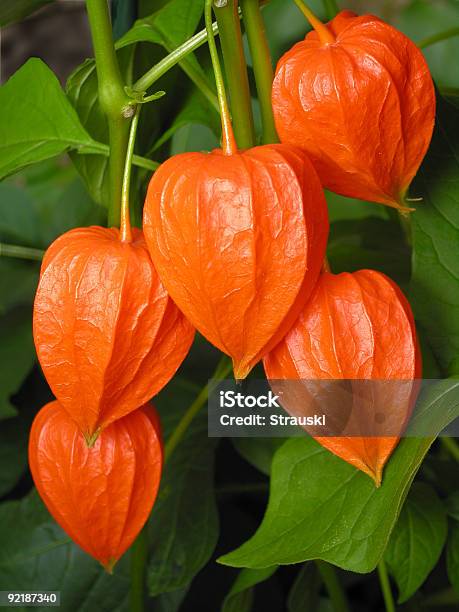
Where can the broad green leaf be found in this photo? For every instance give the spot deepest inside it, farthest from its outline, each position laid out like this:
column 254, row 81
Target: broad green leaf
column 183, row 527
column 322, row 508
column 81, row 89
column 258, row 451
column 11, row 11
column 37, row 555
column 17, row 356
column 14, row 434
column 37, row 121
column 169, row 26
column 452, row 554
column 417, row 540
column 304, row 594
column 240, row 597
column 435, row 281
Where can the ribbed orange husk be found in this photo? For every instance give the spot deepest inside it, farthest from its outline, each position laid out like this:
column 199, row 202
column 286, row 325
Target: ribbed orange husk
column 101, row 496
column 356, row 326
column 108, row 336
column 362, row 107
column 238, row 241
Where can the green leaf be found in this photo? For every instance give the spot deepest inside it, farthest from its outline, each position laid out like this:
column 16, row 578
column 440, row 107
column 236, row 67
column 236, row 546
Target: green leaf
column 435, row 281
column 452, row 554
column 183, row 528
column 37, row 555
column 17, row 10
column 17, row 356
column 417, row 539
column 170, row 26
column 37, row 121
column 304, row 594
column 240, row 597
column 322, row 508
column 82, row 92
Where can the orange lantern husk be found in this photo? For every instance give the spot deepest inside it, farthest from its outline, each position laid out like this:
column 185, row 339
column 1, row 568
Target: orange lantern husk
column 107, row 335
column 101, row 496
column 356, row 327
column 238, row 240
column 358, row 97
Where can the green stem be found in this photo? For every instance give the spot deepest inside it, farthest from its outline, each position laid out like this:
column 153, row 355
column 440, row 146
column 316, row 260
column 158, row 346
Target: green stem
column 435, row 38
column 125, row 222
column 335, row 590
column 112, row 98
column 331, row 8
column 228, row 142
column 237, row 80
column 385, row 587
column 139, row 557
column 171, row 60
column 20, row 252
column 223, row 369
column 262, row 65
column 200, row 81
column 451, row 446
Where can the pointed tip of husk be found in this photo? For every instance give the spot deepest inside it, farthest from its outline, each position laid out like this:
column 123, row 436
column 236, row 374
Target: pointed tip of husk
column 376, row 475
column 110, row 566
column 241, row 371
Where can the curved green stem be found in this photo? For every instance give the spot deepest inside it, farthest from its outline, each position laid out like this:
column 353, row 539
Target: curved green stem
column 171, row 60
column 262, row 65
column 435, row 38
column 237, row 80
column 112, row 97
column 20, row 252
column 385, row 587
column 125, row 224
column 451, row 446
column 223, row 369
column 331, row 8
column 139, row 557
column 228, row 143
column 335, row 590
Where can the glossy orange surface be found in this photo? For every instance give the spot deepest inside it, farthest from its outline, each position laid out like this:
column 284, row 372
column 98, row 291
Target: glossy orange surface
column 355, row 326
column 101, row 496
column 238, row 241
column 108, row 337
column 363, row 107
